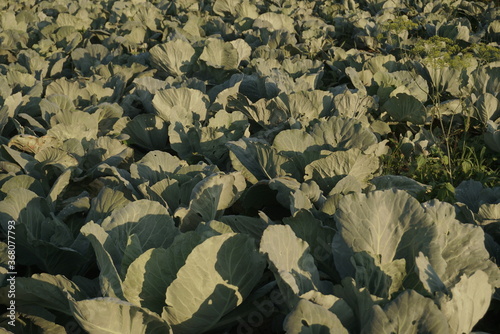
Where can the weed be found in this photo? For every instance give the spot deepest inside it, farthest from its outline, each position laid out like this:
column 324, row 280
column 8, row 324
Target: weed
column 442, row 169
column 484, row 52
column 442, row 52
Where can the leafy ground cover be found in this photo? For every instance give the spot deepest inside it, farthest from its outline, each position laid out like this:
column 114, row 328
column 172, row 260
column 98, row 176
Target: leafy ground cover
column 246, row 166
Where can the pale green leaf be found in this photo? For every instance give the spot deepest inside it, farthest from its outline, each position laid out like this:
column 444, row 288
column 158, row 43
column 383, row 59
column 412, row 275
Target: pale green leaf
column 148, row 220
column 110, row 315
column 428, row 276
column 58, row 188
column 155, row 166
column 338, row 133
column 111, row 283
column 405, row 108
column 229, row 266
column 328, row 171
column 106, row 202
column 173, row 57
column 149, row 276
column 25, row 182
column 318, row 236
column 467, row 302
column 258, row 161
column 55, row 290
column 387, row 224
column 274, row 21
column 220, row 54
column 296, row 272
column 183, row 105
column 210, row 197
column 309, row 318
column 410, row 313
column 147, row 131
column 487, row 106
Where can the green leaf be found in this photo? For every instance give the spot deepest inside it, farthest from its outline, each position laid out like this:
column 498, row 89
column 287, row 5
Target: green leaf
column 310, row 318
column 258, row 161
column 244, row 50
column 409, row 313
column 405, row 108
column 460, row 248
column 428, row 276
column 39, row 318
column 210, row 197
column 356, row 79
column 229, row 266
column 492, row 136
column 40, row 240
column 297, row 145
column 147, row 131
column 155, row 166
column 353, row 105
column 70, row 89
column 296, row 272
column 105, row 203
column 293, row 141
column 285, row 187
column 387, row 224
column 400, row 182
column 328, row 171
column 25, row 161
column 184, row 105
column 86, row 59
column 106, row 150
column 308, row 105
column 253, row 226
column 58, row 188
column 185, row 139
column 338, row 134
column 147, row 280
column 110, row 281
column 111, row 315
column 225, row 7
column 447, row 78
column 55, row 290
column 173, row 57
column 467, row 302
column 165, row 191
column 132, row 251
column 262, row 112
column 371, row 276
column 400, row 82
column 318, row 236
column 55, row 157
column 220, row 54
column 359, row 303
column 487, row 106
column 149, row 276
column 25, row 182
column 148, row 220
column 25, row 207
column 274, row 21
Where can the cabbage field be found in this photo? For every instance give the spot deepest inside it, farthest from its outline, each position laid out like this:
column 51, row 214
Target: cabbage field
column 249, row 166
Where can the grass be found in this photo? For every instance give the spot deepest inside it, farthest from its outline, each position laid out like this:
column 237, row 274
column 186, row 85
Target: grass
column 466, row 159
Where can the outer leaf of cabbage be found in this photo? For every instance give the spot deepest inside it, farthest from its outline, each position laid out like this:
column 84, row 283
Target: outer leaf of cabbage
column 308, row 317
column 229, row 266
column 296, row 272
column 149, row 276
column 409, row 313
column 174, row 57
column 220, row 54
column 111, row 315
